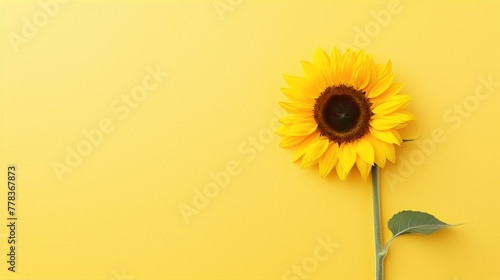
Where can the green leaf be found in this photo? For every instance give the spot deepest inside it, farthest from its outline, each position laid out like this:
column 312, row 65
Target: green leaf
column 408, row 221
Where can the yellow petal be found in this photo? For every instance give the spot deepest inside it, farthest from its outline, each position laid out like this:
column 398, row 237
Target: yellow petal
column 390, row 152
column 297, row 82
column 362, row 76
column 404, row 116
column 363, row 167
column 379, row 149
column 347, row 67
column 314, row 151
column 403, row 125
column 383, row 122
column 392, row 90
column 296, row 107
column 283, row 129
column 322, row 62
column 301, row 149
column 392, row 104
column 372, row 69
column 347, row 158
column 297, row 126
column 290, row 141
column 384, row 69
column 329, row 159
column 379, row 88
column 302, row 128
column 335, row 63
column 340, row 171
column 313, row 74
column 365, row 151
column 388, row 136
column 307, row 88
column 392, row 120
column 293, row 118
column 297, row 95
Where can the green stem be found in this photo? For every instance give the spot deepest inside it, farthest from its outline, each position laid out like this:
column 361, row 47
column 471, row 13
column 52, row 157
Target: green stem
column 379, row 252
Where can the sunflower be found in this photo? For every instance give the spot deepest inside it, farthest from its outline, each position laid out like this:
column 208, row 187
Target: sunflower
column 345, row 111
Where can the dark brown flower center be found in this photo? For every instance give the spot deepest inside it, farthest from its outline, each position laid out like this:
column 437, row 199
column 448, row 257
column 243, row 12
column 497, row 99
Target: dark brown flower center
column 342, row 113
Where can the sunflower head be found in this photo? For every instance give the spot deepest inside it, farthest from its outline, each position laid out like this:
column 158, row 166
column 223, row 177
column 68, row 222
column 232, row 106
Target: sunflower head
column 346, row 110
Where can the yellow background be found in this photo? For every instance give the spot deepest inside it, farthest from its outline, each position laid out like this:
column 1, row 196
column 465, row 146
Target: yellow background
column 116, row 215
